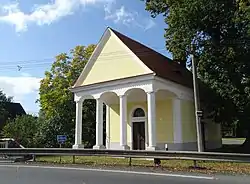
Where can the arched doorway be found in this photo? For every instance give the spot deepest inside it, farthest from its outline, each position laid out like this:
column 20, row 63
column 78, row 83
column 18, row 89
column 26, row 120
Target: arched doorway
column 138, row 128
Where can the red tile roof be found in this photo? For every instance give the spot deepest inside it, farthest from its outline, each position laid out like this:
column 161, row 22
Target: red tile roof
column 162, row 66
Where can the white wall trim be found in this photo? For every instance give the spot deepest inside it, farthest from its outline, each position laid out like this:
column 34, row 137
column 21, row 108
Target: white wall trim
column 104, row 85
column 179, row 90
column 148, row 83
column 120, row 87
column 171, row 83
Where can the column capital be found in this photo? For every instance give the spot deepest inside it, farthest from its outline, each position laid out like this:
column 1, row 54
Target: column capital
column 79, row 101
column 122, row 96
column 150, row 92
column 78, row 98
column 177, row 98
column 99, row 100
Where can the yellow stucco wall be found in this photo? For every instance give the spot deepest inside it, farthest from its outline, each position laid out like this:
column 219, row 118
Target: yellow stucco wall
column 130, row 109
column 212, row 131
column 114, row 123
column 188, row 121
column 114, row 62
column 213, row 135
column 164, row 121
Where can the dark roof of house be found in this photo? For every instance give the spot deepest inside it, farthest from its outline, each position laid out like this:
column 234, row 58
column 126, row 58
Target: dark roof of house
column 14, row 109
column 163, row 66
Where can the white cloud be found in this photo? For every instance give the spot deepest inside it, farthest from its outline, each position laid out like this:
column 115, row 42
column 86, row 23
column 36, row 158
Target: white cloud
column 46, row 14
column 19, row 87
column 24, row 74
column 42, row 14
column 128, row 18
column 149, row 24
column 120, row 16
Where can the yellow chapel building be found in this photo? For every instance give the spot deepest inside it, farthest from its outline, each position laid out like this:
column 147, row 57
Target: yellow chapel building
column 149, row 99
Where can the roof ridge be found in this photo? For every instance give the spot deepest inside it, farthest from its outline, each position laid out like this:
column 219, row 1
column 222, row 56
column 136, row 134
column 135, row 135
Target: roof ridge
column 138, row 42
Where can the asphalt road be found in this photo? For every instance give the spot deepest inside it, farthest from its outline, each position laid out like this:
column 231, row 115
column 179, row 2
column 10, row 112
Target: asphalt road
column 18, row 174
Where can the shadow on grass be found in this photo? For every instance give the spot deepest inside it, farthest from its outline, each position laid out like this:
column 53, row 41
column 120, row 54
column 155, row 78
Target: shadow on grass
column 233, row 148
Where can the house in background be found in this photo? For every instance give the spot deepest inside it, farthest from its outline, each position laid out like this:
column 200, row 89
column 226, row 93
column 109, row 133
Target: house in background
column 148, row 97
column 13, row 110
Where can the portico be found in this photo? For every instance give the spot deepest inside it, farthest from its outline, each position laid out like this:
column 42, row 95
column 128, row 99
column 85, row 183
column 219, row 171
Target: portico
column 146, row 89
column 148, row 99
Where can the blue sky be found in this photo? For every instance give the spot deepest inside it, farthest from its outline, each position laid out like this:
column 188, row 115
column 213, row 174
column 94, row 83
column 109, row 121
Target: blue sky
column 33, row 33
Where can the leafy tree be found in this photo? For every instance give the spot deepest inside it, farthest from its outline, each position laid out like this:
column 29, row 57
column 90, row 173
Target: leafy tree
column 57, row 102
column 220, row 31
column 4, row 98
column 52, row 127
column 58, row 125
column 23, row 129
column 3, row 112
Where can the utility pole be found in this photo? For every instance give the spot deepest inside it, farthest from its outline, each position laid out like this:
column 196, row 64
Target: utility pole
column 198, row 112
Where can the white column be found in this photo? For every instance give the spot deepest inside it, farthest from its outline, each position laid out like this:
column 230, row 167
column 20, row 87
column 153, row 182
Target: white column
column 107, row 127
column 99, row 124
column 177, row 120
column 151, row 121
column 78, row 129
column 123, row 122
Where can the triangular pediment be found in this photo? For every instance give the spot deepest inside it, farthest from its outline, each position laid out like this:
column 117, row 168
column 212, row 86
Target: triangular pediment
column 111, row 60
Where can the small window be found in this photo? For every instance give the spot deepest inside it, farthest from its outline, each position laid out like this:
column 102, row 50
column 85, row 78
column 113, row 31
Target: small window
column 139, row 113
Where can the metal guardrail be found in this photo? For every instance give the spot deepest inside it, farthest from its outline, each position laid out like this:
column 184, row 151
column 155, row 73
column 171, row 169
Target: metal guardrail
column 175, row 155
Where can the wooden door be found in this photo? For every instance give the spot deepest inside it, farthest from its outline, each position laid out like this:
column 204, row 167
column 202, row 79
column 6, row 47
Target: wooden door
column 138, row 136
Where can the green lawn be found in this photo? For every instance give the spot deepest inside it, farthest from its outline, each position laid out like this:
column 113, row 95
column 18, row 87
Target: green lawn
column 170, row 165
column 240, row 139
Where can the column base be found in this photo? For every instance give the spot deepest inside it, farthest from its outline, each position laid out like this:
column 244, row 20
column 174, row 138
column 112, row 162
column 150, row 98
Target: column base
column 151, row 148
column 78, row 146
column 98, row 147
column 125, row 147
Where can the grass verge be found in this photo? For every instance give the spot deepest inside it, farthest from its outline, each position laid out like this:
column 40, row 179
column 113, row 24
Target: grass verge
column 233, row 139
column 169, row 165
